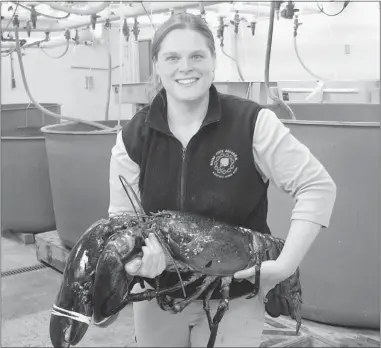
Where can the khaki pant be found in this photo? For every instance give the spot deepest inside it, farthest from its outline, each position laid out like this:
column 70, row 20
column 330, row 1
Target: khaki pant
column 241, row 326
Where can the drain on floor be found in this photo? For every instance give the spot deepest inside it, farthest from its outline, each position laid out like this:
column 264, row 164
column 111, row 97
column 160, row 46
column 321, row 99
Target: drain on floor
column 23, row 270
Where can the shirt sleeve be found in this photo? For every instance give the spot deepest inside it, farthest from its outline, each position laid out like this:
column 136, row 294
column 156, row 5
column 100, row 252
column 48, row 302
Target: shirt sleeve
column 122, row 164
column 290, row 165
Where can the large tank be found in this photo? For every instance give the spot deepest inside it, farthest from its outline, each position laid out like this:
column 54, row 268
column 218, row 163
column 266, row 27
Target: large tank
column 26, row 196
column 341, row 273
column 79, row 173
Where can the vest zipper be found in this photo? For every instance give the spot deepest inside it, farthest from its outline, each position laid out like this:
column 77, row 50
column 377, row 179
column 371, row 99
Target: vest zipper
column 182, row 179
column 183, row 166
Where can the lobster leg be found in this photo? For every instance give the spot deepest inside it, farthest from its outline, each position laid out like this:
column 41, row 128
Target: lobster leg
column 206, row 306
column 149, row 294
column 222, row 308
column 166, row 302
column 180, row 305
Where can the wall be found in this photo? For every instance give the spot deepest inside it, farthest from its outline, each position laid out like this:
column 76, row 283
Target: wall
column 321, row 41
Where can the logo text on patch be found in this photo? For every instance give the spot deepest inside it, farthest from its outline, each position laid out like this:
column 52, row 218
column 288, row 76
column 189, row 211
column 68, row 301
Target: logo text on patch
column 224, row 164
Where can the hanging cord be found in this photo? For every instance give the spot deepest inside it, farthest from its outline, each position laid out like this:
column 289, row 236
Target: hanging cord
column 18, row 50
column 267, row 63
column 67, row 37
column 334, row 14
column 61, row 55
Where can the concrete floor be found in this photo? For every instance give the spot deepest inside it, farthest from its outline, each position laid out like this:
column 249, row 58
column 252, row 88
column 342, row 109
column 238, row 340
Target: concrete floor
column 27, row 300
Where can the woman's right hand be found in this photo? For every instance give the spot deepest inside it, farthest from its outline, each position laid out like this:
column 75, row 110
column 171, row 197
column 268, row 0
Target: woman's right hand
column 153, row 262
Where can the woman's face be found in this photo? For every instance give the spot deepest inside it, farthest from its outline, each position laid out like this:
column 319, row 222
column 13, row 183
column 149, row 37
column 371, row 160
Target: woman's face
column 185, row 65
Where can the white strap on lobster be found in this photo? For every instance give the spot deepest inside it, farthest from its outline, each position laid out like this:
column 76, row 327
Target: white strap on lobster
column 72, row 315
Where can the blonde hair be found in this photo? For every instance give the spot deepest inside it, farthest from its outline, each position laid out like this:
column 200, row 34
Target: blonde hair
column 181, row 20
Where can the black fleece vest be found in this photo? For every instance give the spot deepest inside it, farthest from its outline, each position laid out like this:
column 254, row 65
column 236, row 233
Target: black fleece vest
column 214, row 176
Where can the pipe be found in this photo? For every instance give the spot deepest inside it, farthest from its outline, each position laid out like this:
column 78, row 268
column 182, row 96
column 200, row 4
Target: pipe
column 58, row 41
column 45, row 111
column 156, row 7
column 90, row 11
column 121, row 34
column 109, row 72
column 267, row 63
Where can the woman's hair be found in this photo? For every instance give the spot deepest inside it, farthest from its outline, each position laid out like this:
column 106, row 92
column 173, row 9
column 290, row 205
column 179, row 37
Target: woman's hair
column 181, row 20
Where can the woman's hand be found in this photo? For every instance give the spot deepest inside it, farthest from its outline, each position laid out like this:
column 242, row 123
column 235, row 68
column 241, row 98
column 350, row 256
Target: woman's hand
column 272, row 273
column 152, row 263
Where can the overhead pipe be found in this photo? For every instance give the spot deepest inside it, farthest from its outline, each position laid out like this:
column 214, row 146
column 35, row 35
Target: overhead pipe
column 82, row 12
column 60, row 41
column 130, row 12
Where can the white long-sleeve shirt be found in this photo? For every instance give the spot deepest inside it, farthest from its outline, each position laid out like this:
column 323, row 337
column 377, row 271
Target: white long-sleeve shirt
column 279, row 157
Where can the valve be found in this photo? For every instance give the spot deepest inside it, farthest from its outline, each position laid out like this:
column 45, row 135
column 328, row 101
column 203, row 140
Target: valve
column 135, row 29
column 76, row 37
column 220, row 30
column 93, row 20
column 16, row 21
column 235, row 22
column 289, row 11
column 33, row 16
column 277, row 8
column 202, row 12
column 107, row 24
column 67, row 34
column 297, row 24
column 252, row 27
column 126, row 30
column 28, row 28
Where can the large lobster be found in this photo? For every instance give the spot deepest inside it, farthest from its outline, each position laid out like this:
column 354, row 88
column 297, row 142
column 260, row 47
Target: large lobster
column 96, row 287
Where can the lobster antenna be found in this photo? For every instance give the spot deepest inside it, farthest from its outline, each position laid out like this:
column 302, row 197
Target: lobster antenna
column 124, row 183
column 173, row 261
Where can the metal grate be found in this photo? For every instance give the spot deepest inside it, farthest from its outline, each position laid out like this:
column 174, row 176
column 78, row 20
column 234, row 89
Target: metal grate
column 23, row 270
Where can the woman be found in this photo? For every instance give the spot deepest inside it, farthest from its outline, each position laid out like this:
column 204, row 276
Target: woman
column 194, row 149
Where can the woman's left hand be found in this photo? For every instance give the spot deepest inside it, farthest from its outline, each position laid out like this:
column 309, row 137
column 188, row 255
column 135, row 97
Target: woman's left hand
column 272, row 273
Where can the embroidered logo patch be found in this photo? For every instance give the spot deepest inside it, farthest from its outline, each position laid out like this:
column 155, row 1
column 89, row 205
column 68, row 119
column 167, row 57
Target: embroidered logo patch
column 224, row 163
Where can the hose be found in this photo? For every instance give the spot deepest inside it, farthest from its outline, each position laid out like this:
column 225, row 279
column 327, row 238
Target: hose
column 109, row 80
column 302, row 64
column 45, row 111
column 60, row 56
column 236, row 57
column 267, row 63
column 334, row 14
column 296, row 25
column 234, row 60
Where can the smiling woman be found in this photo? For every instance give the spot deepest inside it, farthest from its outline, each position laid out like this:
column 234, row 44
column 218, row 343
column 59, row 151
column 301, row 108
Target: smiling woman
column 193, row 149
